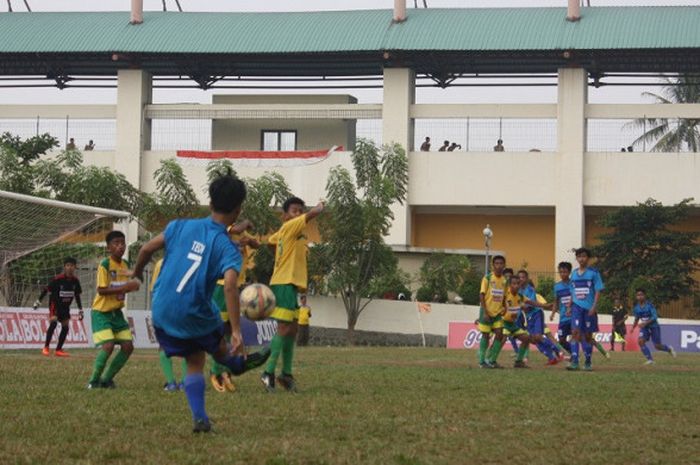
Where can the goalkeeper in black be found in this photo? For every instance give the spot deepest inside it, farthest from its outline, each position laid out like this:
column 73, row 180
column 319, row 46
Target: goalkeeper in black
column 62, row 290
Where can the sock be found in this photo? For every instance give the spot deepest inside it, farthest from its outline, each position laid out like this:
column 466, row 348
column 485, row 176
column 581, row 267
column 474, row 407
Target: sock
column 287, row 354
column 600, row 348
column 557, row 347
column 194, row 390
column 216, row 368
column 574, row 352
column 513, row 343
column 552, row 346
column 62, row 336
column 587, row 350
column 645, row 350
column 184, row 371
column 495, row 350
column 522, row 352
column 235, row 363
column 483, row 347
column 117, row 363
column 545, row 349
column 167, row 366
column 99, row 365
column 527, row 352
column 276, row 349
column 565, row 345
column 49, row 333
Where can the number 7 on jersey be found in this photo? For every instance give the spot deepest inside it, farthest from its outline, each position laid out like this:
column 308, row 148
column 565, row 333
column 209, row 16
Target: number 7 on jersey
column 196, row 261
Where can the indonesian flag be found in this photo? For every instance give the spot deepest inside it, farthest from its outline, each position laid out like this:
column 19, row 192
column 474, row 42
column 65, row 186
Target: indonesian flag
column 257, row 158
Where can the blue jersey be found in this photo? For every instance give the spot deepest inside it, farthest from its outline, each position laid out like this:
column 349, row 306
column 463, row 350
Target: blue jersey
column 647, row 314
column 584, row 287
column 562, row 290
column 197, row 253
column 531, row 294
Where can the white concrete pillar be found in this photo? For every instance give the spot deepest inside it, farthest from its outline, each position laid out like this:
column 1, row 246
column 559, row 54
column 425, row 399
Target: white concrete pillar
column 134, row 92
column 397, row 127
column 571, row 135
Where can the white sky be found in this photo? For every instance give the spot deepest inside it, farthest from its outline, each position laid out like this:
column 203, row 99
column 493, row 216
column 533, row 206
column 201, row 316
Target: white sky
column 454, row 95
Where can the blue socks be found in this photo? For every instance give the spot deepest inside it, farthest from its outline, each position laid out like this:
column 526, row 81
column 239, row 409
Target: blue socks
column 587, row 350
column 235, row 363
column 194, row 390
column 514, row 343
column 546, row 349
column 645, row 350
column 574, row 352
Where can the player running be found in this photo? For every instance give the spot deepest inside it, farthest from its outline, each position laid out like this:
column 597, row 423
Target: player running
column 645, row 313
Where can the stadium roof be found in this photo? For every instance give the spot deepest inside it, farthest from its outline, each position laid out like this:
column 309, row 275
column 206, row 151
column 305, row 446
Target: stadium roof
column 640, row 39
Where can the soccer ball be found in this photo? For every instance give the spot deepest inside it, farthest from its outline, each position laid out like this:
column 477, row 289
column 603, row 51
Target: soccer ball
column 257, row 302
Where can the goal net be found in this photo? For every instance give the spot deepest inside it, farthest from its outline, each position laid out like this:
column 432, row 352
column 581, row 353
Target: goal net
column 37, row 234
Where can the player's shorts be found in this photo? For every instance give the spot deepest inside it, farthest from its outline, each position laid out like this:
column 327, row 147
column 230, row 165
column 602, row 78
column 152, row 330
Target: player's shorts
column 621, row 330
column 653, row 333
column 287, row 309
column 109, row 327
column 510, row 328
column 521, row 321
column 547, row 330
column 495, row 322
column 582, row 321
column 564, row 329
column 535, row 322
column 59, row 313
column 176, row 347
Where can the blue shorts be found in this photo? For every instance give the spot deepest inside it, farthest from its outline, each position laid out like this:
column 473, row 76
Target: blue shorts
column 653, row 333
column 535, row 322
column 173, row 346
column 564, row 329
column 582, row 321
column 520, row 321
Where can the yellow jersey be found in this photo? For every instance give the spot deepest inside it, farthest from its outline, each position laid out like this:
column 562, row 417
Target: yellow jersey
column 304, row 315
column 514, row 303
column 156, row 272
column 245, row 258
column 111, row 273
column 290, row 255
column 493, row 287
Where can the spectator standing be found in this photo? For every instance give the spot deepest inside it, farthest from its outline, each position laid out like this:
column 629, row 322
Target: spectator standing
column 71, row 144
column 90, row 146
column 444, row 147
column 425, row 146
column 452, row 147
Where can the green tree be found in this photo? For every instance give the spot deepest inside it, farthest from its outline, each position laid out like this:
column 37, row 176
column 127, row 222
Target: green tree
column 666, row 136
column 641, row 244
column 545, row 287
column 470, row 287
column 352, row 256
column 440, row 274
column 18, row 160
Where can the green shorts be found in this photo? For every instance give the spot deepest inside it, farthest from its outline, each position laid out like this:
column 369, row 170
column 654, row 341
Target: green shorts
column 510, row 328
column 287, row 307
column 109, row 327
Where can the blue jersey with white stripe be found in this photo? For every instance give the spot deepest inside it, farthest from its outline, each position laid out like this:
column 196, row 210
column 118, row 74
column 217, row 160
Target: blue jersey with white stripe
column 562, row 290
column 647, row 314
column 531, row 294
column 584, row 287
column 197, row 253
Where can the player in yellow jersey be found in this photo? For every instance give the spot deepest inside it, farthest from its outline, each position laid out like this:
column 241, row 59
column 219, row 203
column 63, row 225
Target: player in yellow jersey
column 109, row 327
column 288, row 279
column 514, row 303
column 220, row 377
column 493, row 287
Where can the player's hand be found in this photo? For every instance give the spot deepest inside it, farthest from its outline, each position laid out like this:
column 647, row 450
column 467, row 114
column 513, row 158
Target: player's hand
column 81, row 315
column 132, row 285
column 36, row 304
column 237, row 346
column 592, row 311
column 321, row 205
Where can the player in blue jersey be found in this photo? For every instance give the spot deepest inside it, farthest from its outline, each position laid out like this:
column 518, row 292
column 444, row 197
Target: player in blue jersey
column 586, row 285
column 534, row 319
column 645, row 313
column 562, row 295
column 197, row 253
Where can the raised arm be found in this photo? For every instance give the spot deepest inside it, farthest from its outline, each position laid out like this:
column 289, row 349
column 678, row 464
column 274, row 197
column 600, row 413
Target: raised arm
column 314, row 212
column 145, row 254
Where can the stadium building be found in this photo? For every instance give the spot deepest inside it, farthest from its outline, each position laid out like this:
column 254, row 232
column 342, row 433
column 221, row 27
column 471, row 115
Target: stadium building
column 541, row 196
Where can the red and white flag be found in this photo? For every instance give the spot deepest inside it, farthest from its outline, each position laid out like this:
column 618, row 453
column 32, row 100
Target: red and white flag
column 257, row 158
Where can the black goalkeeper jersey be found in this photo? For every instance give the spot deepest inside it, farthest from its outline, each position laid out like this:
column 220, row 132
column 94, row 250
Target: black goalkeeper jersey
column 62, row 289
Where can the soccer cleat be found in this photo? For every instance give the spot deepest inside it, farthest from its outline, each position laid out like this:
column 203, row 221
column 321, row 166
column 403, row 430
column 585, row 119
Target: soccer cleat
column 61, row 353
column 94, row 385
column 485, row 365
column 45, row 351
column 573, row 367
column 553, row 361
column 587, row 367
column 201, row 426
column 495, row 365
column 607, row 355
column 109, row 384
column 257, row 359
column 268, row 381
column 672, row 351
column 216, row 383
column 181, row 386
column 520, row 364
column 650, row 362
column 227, row 382
column 287, row 382
column 170, row 387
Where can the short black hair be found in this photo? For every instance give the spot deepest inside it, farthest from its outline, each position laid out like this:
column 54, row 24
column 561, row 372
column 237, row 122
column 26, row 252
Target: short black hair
column 513, row 278
column 226, row 193
column 523, row 271
column 642, row 290
column 114, row 235
column 583, row 250
column 70, row 260
column 498, row 257
column 565, row 265
column 508, row 271
column 447, row 142
column 292, row 201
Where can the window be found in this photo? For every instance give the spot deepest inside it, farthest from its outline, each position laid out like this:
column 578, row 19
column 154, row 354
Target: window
column 283, row 140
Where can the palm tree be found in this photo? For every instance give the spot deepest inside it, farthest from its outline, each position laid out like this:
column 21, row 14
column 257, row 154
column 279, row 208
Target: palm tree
column 665, row 136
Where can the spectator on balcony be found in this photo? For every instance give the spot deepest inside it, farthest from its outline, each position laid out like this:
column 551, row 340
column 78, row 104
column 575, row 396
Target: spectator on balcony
column 630, row 149
column 445, row 146
column 499, row 146
column 425, row 146
column 89, row 146
column 452, row 147
column 71, row 144
column 623, row 150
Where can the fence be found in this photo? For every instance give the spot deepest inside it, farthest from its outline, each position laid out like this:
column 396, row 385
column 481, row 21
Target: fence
column 618, row 135
column 103, row 132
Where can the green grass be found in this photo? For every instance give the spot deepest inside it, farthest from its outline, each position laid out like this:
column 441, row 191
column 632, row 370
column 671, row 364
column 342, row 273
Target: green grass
column 403, row 406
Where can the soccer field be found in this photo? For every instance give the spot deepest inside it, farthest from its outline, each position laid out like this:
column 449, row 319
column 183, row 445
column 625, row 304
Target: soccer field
column 356, row 406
